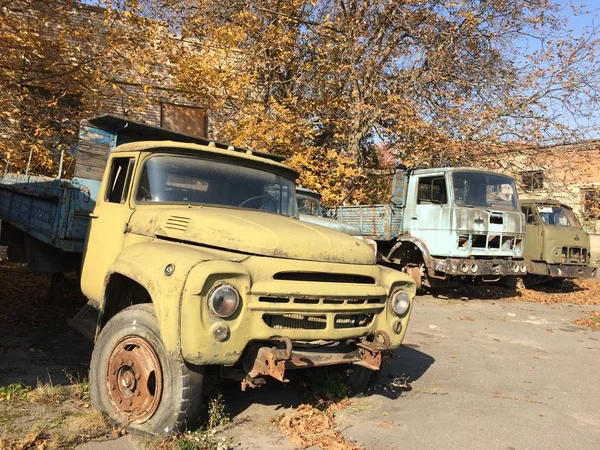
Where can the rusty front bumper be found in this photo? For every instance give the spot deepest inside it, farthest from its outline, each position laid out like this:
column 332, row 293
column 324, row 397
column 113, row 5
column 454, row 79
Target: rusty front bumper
column 571, row 271
column 262, row 361
column 475, row 267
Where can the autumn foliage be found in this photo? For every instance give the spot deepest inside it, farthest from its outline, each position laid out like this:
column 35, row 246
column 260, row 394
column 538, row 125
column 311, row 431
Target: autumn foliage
column 336, row 86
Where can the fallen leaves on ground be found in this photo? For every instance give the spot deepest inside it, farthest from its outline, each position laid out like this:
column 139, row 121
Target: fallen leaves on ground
column 592, row 321
column 585, row 291
column 312, row 425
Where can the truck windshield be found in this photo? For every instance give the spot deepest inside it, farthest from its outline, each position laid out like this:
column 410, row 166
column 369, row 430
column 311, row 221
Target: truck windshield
column 558, row 216
column 193, row 180
column 484, row 190
column 308, row 204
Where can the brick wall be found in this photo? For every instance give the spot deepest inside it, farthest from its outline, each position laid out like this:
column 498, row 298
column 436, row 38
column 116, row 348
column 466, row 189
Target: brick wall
column 568, row 172
column 136, row 98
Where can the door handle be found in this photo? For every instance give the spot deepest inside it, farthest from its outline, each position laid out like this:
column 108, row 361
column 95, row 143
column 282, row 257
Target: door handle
column 413, row 218
column 94, row 216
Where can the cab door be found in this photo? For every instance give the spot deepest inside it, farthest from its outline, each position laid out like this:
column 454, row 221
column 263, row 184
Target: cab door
column 534, row 235
column 427, row 211
column 107, row 225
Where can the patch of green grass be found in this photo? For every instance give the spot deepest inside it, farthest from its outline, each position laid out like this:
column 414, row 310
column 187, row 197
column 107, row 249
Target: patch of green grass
column 14, row 391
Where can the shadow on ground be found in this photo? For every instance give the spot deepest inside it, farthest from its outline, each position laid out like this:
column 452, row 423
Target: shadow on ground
column 36, row 344
column 403, row 366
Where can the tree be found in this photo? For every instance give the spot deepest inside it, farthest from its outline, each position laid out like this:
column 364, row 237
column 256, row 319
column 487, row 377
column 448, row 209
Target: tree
column 57, row 67
column 335, row 84
column 329, row 82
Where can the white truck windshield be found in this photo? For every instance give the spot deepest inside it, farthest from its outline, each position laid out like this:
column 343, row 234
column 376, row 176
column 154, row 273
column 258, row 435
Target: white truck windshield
column 485, row 190
column 194, row 180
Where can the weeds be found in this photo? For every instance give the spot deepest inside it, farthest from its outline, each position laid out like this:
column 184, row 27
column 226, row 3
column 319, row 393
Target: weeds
column 217, row 412
column 14, row 391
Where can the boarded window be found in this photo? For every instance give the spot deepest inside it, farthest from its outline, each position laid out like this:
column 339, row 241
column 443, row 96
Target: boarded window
column 184, row 119
column 532, row 180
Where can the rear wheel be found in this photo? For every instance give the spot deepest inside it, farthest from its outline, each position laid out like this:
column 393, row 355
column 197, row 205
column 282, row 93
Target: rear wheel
column 136, row 383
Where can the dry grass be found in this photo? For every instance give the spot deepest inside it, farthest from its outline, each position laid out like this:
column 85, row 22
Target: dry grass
column 49, row 393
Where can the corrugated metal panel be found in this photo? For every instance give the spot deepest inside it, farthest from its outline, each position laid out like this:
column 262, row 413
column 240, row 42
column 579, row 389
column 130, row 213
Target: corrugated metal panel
column 380, row 222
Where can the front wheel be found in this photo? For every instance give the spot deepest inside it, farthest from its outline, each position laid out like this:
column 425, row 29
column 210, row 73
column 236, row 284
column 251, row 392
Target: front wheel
column 136, row 383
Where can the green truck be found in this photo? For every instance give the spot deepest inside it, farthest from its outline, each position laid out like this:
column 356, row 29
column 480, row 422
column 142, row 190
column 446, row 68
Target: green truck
column 556, row 246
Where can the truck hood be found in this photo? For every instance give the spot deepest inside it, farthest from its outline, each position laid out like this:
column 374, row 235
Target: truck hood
column 250, row 232
column 555, row 238
column 331, row 223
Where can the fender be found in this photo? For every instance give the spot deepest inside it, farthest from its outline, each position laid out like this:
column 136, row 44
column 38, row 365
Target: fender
column 146, row 264
column 418, row 243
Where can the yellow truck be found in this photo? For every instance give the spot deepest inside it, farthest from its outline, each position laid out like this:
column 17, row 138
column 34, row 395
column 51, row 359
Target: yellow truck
column 194, row 260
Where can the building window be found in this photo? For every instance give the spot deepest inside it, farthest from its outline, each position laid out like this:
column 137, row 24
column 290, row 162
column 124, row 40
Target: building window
column 590, row 209
column 189, row 120
column 532, row 180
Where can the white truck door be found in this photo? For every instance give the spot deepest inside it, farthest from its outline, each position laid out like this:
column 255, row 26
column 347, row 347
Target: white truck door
column 427, row 202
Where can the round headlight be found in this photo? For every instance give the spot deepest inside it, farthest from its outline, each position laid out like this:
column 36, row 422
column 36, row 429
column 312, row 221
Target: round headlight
column 474, row 267
column 464, row 267
column 400, row 302
column 523, row 268
column 224, row 300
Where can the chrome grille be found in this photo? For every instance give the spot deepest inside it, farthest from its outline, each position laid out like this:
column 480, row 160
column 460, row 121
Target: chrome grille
column 320, row 277
column 295, row 321
column 353, row 320
column 324, row 300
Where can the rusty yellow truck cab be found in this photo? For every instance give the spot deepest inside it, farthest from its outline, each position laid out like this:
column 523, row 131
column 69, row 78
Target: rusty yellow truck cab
column 195, row 257
column 556, row 246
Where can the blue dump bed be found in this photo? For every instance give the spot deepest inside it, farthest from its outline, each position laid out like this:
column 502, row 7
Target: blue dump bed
column 52, row 211
column 379, row 222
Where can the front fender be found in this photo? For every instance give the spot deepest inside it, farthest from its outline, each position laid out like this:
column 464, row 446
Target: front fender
column 417, row 243
column 145, row 263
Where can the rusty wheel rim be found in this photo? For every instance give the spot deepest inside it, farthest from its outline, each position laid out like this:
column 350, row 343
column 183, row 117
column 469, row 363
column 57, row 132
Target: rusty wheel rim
column 135, row 379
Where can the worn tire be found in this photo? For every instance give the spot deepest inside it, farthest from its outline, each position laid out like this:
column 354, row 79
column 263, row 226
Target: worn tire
column 175, row 406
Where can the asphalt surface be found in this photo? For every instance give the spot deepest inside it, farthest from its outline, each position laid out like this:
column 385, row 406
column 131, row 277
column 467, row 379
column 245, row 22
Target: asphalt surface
column 472, row 375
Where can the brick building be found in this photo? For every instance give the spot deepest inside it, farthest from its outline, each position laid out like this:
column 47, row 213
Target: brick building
column 152, row 99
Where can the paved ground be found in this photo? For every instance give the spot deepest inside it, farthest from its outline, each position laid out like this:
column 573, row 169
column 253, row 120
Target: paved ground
column 484, row 374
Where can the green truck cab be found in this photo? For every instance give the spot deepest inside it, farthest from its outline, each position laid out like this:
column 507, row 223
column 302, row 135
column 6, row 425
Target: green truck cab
column 555, row 246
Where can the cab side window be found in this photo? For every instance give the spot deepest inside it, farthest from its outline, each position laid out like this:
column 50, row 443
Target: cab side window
column 120, row 179
column 529, row 215
column 432, row 190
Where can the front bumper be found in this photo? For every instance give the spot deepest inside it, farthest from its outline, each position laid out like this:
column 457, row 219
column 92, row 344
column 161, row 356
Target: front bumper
column 475, row 267
column 571, row 271
column 263, row 360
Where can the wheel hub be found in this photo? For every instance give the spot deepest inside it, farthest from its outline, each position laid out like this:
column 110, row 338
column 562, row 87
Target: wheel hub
column 135, row 380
